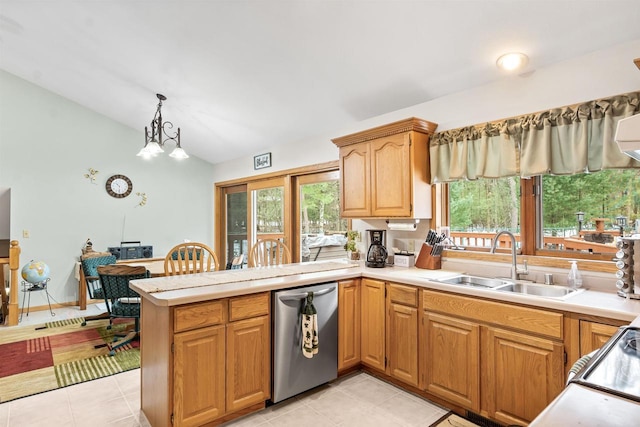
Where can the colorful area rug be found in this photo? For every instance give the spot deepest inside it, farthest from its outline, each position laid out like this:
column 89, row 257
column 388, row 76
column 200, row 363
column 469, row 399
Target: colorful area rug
column 35, row 359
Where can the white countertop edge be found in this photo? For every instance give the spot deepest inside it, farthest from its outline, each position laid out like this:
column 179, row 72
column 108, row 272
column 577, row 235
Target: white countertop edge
column 589, row 302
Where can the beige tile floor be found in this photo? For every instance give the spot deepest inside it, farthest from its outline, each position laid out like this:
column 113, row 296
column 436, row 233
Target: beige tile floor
column 357, row 400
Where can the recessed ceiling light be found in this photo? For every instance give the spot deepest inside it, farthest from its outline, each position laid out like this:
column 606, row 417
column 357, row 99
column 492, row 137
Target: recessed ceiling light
column 512, row 61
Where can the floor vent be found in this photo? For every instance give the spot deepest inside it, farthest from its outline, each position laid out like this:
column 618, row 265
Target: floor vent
column 481, row 421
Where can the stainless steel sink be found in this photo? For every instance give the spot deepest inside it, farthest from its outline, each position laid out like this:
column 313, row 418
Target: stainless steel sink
column 475, row 281
column 548, row 291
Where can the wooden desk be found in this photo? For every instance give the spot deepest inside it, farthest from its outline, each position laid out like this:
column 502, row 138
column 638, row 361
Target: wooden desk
column 155, row 266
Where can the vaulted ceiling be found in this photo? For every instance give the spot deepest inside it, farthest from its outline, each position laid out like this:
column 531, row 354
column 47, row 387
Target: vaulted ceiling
column 241, row 76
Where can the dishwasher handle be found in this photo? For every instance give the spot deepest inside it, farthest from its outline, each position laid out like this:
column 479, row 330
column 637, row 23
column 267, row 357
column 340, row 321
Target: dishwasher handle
column 303, row 295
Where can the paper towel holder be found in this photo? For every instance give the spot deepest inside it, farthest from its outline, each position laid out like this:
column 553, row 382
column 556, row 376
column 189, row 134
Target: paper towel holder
column 403, row 225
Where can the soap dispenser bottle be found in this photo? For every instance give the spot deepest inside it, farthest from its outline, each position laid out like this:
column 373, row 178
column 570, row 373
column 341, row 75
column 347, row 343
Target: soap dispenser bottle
column 574, row 279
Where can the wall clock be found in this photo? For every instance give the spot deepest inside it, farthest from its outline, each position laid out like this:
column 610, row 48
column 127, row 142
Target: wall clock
column 119, row 186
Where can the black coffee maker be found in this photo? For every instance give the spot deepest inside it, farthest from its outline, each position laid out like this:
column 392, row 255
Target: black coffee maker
column 377, row 253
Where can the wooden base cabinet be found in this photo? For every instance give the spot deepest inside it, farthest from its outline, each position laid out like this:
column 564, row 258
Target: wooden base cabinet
column 521, row 374
column 372, row 325
column 248, row 362
column 205, row 362
column 451, row 355
column 389, row 329
column 505, row 361
column 199, row 376
column 348, row 324
column 594, row 335
column 402, row 333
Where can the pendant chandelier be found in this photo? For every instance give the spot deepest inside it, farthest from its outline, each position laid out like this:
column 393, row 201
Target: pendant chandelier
column 154, row 141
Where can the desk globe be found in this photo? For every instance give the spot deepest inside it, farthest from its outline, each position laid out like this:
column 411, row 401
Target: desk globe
column 36, row 277
column 36, row 273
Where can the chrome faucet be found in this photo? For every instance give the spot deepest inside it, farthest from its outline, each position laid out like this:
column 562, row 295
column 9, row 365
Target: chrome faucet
column 515, row 271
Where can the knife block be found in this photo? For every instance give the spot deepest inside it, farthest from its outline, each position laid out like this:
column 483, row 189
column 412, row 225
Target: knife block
column 426, row 260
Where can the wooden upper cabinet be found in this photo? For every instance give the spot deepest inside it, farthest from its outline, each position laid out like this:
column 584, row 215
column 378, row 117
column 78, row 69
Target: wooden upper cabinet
column 354, row 181
column 384, row 171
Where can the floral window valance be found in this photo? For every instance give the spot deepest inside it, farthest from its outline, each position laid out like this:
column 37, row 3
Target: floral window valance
column 562, row 141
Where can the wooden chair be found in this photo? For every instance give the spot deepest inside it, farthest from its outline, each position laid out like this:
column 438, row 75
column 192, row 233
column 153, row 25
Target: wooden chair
column 269, row 252
column 122, row 301
column 190, row 258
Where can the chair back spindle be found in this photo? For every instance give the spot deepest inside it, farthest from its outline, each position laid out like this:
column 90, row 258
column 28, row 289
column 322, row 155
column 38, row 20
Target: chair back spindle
column 267, row 252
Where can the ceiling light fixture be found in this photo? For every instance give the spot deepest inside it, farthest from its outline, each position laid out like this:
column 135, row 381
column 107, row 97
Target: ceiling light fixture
column 154, row 142
column 512, row 61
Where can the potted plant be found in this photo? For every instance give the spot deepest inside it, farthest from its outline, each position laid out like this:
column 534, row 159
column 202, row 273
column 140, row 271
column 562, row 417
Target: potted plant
column 350, row 246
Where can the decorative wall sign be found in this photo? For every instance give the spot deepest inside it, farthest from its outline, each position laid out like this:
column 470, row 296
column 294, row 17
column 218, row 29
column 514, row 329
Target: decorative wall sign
column 262, row 161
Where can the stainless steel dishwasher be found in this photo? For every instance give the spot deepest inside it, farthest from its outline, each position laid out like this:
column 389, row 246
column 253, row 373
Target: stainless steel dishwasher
column 293, row 373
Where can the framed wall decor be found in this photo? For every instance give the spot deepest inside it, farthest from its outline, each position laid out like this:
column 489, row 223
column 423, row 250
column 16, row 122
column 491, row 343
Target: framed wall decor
column 262, row 161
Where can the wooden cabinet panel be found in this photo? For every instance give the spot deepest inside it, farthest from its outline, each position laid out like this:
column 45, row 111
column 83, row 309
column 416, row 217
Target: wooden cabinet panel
column 521, row 374
column 355, row 200
column 384, row 172
column 348, row 323
column 403, row 294
column 451, row 359
column 372, row 325
column 390, row 176
column 248, row 306
column 248, row 362
column 199, row 315
column 524, row 318
column 199, row 376
column 402, row 343
column 593, row 335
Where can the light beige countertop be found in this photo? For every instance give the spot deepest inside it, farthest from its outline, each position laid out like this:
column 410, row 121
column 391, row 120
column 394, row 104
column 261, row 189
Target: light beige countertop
column 584, row 407
column 575, row 406
column 203, row 287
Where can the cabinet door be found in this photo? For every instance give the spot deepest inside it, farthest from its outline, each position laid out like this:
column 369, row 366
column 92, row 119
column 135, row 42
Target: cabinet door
column 198, row 379
column 521, row 374
column 593, row 335
column 355, row 182
column 372, row 326
column 402, row 343
column 451, row 359
column 391, row 173
column 248, row 362
column 348, row 323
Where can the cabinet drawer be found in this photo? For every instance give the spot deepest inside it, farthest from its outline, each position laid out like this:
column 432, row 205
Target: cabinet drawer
column 405, row 295
column 199, row 315
column 512, row 316
column 248, row 306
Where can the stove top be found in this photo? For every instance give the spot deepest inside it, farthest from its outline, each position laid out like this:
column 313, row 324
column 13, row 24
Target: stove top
column 615, row 368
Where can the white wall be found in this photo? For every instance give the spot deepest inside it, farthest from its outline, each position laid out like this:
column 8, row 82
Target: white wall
column 47, row 144
column 599, row 74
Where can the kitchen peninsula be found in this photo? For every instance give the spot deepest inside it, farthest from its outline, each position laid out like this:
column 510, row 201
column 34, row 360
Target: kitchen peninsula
column 206, row 347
